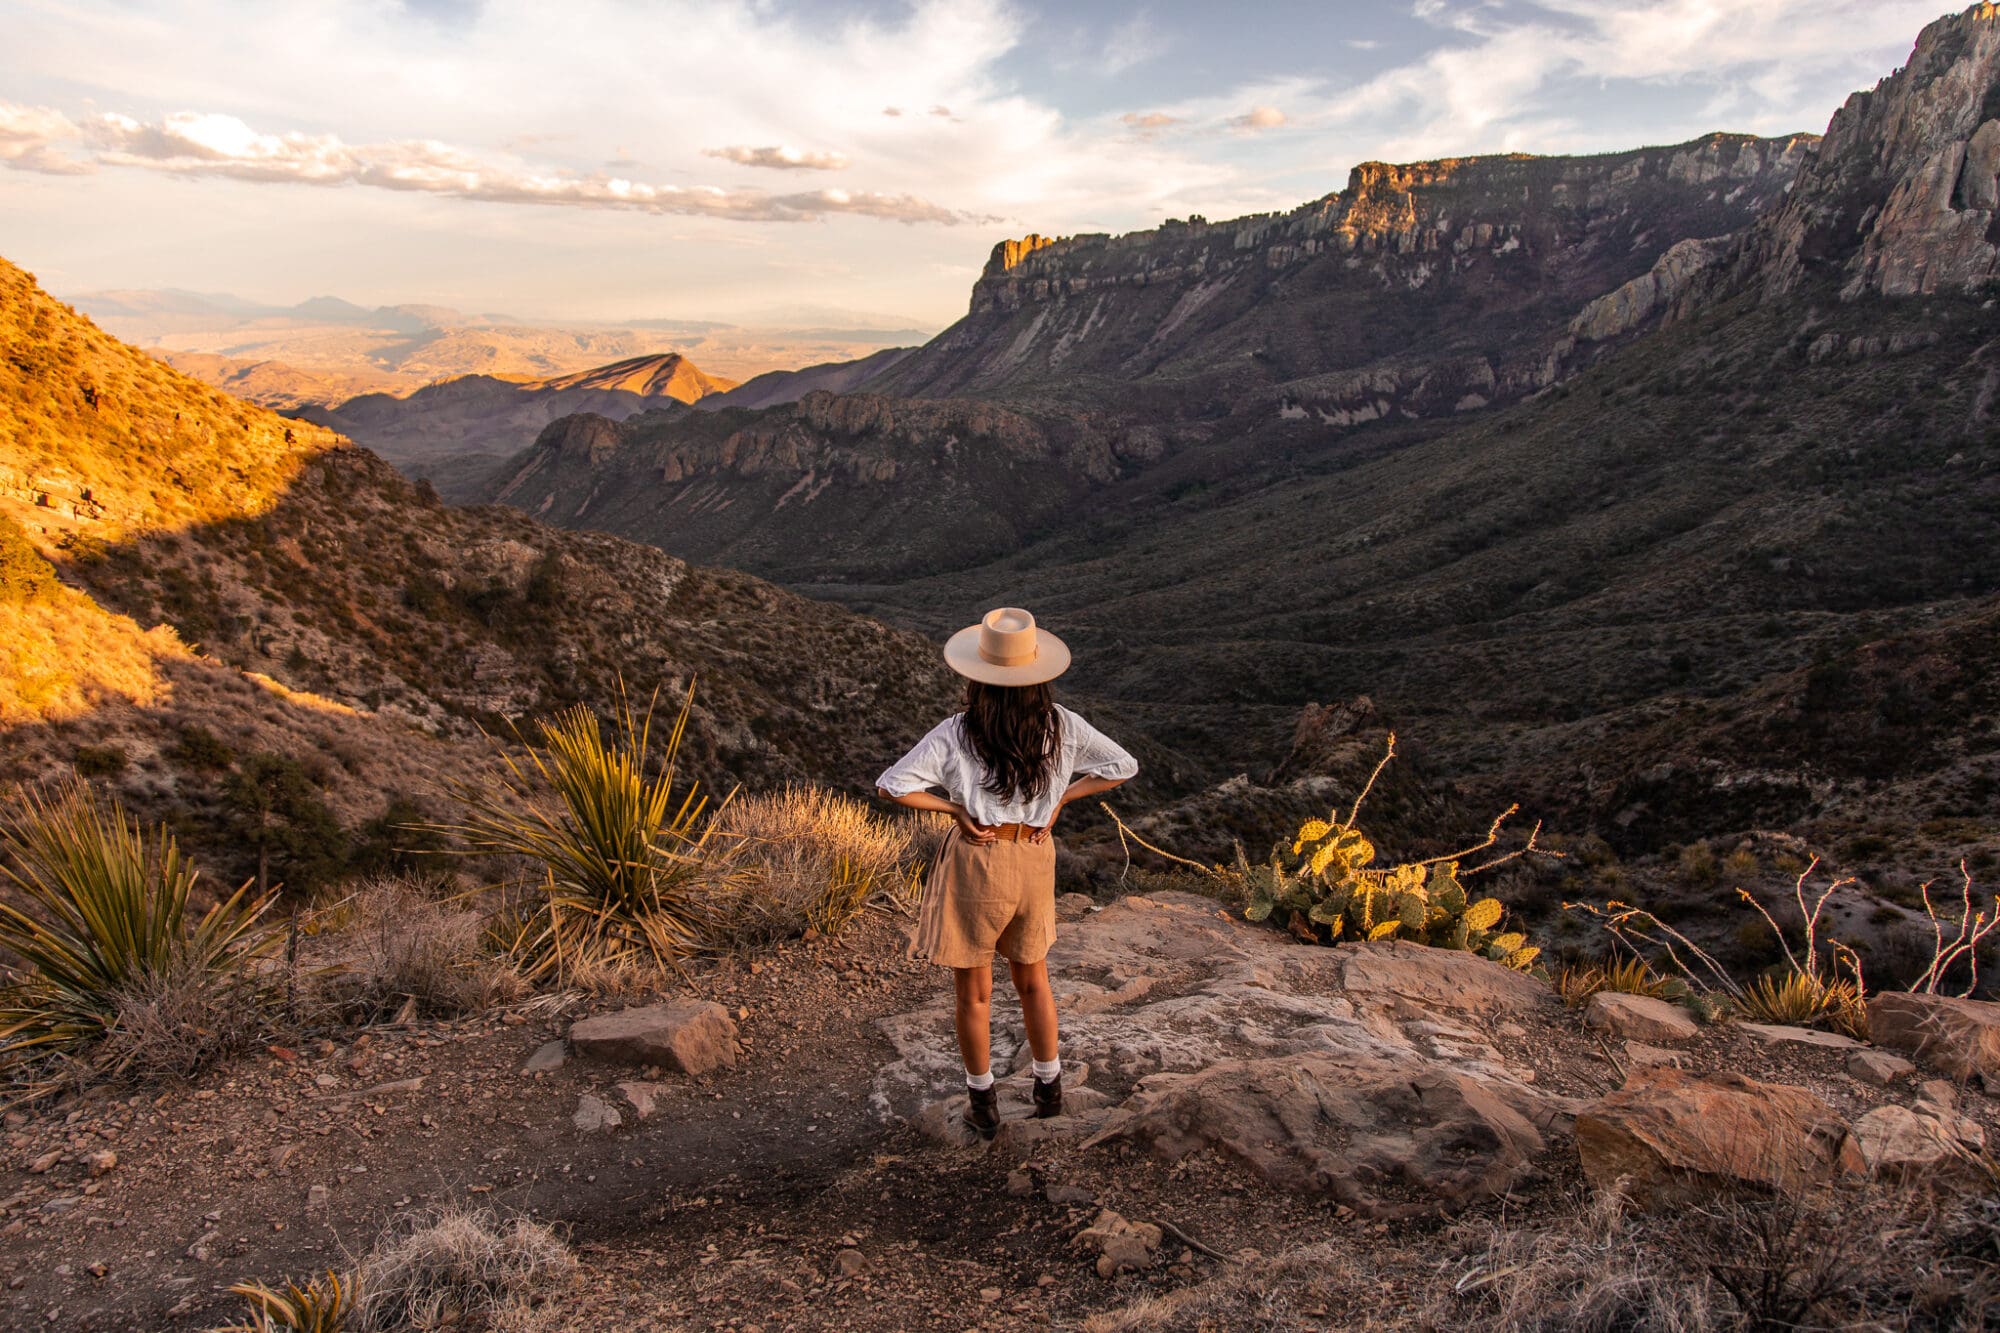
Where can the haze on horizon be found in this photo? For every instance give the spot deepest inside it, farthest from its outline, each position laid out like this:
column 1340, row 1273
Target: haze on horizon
column 767, row 163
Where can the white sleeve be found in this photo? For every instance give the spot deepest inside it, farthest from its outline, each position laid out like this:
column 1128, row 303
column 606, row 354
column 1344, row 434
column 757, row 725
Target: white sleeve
column 922, row 767
column 1097, row 755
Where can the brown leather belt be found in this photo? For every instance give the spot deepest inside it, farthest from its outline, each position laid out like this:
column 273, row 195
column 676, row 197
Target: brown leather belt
column 1012, row 832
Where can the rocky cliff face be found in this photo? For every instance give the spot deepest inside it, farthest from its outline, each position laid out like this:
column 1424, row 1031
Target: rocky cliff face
column 1419, row 289
column 834, row 484
column 1903, row 197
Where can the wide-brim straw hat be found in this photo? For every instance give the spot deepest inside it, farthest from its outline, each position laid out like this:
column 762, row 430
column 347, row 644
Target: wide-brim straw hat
column 1006, row 648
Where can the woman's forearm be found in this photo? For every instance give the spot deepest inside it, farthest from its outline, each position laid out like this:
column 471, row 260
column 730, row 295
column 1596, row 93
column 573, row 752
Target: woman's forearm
column 1089, row 786
column 923, row 800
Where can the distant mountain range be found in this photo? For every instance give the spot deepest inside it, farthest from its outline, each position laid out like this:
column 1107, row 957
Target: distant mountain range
column 325, row 350
column 1657, row 490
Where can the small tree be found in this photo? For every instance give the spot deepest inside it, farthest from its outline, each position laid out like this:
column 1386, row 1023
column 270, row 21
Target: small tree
column 273, row 806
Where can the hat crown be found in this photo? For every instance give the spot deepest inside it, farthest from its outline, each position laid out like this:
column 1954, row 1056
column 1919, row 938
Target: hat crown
column 1007, row 637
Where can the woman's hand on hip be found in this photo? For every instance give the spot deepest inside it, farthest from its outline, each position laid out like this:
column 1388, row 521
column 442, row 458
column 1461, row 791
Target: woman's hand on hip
column 972, row 830
column 1043, row 833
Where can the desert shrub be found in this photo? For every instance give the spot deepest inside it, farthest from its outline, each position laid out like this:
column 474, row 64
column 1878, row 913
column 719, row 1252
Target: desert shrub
column 1325, row 888
column 99, row 761
column 200, row 749
column 1697, row 865
column 399, row 947
column 396, row 842
column 1623, row 976
column 806, row 856
column 625, row 878
column 274, row 808
column 25, row 576
column 109, row 958
column 452, row 1269
column 1742, row 863
column 458, row 1269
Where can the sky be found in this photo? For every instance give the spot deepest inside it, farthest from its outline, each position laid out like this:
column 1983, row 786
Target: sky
column 765, row 163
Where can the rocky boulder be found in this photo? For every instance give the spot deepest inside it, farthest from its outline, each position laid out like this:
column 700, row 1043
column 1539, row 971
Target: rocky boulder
column 1959, row 1037
column 1667, row 1135
column 1904, row 1144
column 1377, row 1074
column 1639, row 1017
column 688, row 1036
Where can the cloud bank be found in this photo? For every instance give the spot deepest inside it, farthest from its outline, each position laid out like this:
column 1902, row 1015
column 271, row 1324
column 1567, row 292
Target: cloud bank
column 781, row 158
column 188, row 143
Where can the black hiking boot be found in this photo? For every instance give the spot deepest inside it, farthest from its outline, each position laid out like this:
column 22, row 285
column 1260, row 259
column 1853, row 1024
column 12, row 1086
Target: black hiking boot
column 1048, row 1098
column 982, row 1111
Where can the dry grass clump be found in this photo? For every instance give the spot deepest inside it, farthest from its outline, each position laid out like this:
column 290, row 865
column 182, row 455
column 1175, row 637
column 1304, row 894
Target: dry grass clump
column 810, row 857
column 459, row 1268
column 403, row 949
column 1854, row 1257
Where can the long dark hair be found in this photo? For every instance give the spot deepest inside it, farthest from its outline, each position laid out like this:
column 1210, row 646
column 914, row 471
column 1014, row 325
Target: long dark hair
column 1014, row 729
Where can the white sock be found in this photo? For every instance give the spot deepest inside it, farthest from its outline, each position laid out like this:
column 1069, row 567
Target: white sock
column 979, row 1082
column 1048, row 1070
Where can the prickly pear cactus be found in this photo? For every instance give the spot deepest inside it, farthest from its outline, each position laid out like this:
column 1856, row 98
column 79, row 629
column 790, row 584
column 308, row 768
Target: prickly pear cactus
column 1322, row 884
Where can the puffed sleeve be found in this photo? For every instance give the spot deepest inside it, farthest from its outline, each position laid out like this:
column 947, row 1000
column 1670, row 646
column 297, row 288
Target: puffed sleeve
column 923, row 766
column 1095, row 754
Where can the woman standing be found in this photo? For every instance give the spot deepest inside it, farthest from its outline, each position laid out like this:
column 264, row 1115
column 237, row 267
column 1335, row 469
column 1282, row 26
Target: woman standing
column 1006, row 767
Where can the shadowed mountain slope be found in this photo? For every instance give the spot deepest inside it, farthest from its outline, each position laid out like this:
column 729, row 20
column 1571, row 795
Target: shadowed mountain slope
column 176, row 559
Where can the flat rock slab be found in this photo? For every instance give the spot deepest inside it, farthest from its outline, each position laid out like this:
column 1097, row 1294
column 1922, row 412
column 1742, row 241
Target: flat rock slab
column 1370, row 1133
column 1773, row 1034
column 1902, row 1144
column 1667, row 1136
column 1378, row 1073
column 1878, row 1067
column 1959, row 1037
column 1639, row 1017
column 688, row 1036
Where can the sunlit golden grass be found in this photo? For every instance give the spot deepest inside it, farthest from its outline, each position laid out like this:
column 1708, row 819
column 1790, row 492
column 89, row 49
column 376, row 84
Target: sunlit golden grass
column 810, row 857
column 64, row 656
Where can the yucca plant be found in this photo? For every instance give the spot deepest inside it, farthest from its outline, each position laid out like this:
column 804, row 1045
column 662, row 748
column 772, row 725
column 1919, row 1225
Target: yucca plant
column 621, row 858
column 1800, row 998
column 321, row 1306
column 110, row 929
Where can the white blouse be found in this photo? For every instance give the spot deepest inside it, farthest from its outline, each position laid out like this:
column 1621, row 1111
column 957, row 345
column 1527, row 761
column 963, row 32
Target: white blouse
column 945, row 759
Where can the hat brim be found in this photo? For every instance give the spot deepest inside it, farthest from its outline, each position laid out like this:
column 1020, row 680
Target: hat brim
column 961, row 654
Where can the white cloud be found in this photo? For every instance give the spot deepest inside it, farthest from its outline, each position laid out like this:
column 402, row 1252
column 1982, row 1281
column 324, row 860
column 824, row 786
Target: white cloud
column 190, row 143
column 1133, row 43
column 780, row 157
column 32, row 138
column 1258, row 118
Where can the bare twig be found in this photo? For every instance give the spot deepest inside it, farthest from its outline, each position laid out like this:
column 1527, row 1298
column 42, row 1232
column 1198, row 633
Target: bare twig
column 1369, row 786
column 1125, row 831
column 1191, row 1242
column 1973, row 928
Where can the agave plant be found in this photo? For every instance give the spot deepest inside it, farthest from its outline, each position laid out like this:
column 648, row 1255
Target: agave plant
column 322, row 1305
column 112, row 926
column 621, row 859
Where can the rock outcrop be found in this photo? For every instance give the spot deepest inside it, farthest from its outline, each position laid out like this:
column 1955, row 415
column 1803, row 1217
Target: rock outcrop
column 1667, row 1136
column 1903, row 196
column 1375, row 1074
column 1956, row 1036
column 1407, row 271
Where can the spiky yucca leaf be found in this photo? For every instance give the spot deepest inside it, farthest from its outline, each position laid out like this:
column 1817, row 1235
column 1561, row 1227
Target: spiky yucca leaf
column 1798, row 998
column 112, row 904
column 321, row 1306
column 622, row 862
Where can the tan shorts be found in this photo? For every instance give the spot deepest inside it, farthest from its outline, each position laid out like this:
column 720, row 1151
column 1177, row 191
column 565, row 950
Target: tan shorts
column 999, row 897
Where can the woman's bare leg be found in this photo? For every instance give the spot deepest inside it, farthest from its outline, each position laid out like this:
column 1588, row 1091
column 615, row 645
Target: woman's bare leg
column 1038, row 1006
column 974, row 1016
